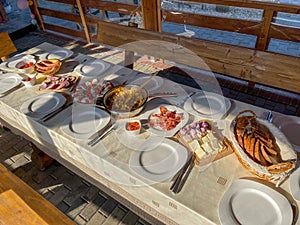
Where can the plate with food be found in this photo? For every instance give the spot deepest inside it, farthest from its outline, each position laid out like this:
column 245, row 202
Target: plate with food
column 165, row 120
column 92, row 68
column 89, row 91
column 159, row 159
column 207, row 105
column 9, row 81
column 250, row 202
column 85, row 121
column 58, row 83
column 205, row 140
column 48, row 66
column 42, row 105
column 60, row 54
column 10, row 64
column 261, row 147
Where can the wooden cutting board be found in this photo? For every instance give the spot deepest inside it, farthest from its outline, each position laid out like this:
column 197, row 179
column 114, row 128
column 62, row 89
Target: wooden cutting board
column 13, row 210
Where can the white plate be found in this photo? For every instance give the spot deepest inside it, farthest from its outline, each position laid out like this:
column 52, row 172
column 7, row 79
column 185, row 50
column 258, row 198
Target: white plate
column 207, row 105
column 85, row 121
column 248, row 202
column 8, row 81
column 92, row 69
column 155, row 82
column 295, row 184
column 291, row 128
column 159, row 160
column 60, row 54
column 43, row 104
column 166, row 133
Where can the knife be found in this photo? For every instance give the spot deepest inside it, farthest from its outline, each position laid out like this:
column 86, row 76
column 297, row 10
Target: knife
column 178, row 181
column 101, row 136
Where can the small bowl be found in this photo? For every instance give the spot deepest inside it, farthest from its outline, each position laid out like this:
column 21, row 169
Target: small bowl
column 133, row 127
column 26, row 65
column 29, row 81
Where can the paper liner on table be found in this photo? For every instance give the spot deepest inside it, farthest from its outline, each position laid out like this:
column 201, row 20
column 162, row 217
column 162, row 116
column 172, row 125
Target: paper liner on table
column 200, row 145
column 276, row 172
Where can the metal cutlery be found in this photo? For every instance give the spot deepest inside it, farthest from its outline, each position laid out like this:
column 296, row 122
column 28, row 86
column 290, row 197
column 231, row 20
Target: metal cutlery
column 100, row 136
column 270, row 116
column 183, row 175
column 54, row 113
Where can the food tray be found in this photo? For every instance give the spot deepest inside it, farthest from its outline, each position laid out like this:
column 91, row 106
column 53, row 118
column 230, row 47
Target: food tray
column 61, row 78
column 276, row 172
column 204, row 150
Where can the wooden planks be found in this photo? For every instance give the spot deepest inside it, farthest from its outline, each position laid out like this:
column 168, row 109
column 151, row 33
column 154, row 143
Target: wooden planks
column 212, row 22
column 13, row 210
column 7, row 47
column 151, row 15
column 263, row 38
column 271, row 69
column 44, row 209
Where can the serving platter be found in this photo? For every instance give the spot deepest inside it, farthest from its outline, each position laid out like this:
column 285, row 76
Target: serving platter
column 207, row 105
column 85, row 121
column 10, row 64
column 8, row 81
column 92, row 68
column 42, row 105
column 159, row 159
column 248, row 202
column 166, row 133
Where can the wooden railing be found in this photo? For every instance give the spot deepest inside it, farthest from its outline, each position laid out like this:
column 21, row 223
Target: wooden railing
column 255, row 65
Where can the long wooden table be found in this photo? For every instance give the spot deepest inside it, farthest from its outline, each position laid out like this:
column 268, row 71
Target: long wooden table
column 106, row 165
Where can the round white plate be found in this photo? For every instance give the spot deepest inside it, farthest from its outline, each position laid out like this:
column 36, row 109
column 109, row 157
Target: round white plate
column 85, row 121
column 155, row 82
column 92, row 69
column 166, row 133
column 9, row 81
column 295, row 184
column 291, row 129
column 159, row 159
column 60, row 54
column 43, row 104
column 248, row 202
column 207, row 105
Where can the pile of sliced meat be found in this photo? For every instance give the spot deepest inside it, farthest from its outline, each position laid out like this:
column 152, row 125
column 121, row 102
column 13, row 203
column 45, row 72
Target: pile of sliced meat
column 58, row 83
column 88, row 92
column 165, row 120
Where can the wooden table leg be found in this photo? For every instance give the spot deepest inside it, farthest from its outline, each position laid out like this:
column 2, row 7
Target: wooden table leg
column 40, row 159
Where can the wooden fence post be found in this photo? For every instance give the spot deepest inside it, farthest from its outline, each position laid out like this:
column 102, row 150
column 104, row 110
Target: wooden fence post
column 151, row 15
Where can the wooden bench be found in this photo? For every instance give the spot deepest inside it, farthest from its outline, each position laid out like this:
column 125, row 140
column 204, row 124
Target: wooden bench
column 267, row 68
column 20, row 200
